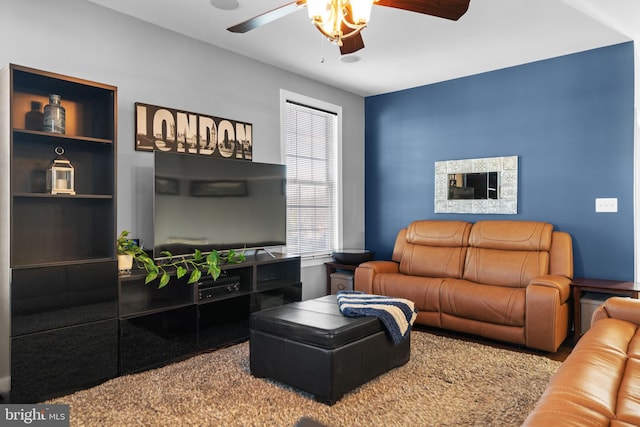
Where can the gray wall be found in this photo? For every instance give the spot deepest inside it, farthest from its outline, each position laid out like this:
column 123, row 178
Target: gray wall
column 152, row 65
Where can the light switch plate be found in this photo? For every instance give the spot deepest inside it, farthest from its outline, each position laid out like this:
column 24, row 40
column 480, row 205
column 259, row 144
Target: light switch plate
column 607, row 204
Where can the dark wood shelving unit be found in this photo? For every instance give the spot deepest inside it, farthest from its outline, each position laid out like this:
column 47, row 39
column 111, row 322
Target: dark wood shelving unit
column 48, row 137
column 59, row 267
column 62, row 196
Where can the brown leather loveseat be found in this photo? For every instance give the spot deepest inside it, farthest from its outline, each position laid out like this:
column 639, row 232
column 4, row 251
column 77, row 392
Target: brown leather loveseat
column 599, row 382
column 504, row 280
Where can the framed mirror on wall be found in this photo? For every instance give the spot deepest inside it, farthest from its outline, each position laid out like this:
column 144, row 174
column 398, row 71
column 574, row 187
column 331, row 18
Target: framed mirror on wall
column 477, row 186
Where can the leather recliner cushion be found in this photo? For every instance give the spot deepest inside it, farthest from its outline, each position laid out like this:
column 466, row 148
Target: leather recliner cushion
column 484, row 303
column 423, row 291
column 511, row 235
column 505, row 268
column 443, row 243
column 439, row 233
column 508, row 253
column 443, row 262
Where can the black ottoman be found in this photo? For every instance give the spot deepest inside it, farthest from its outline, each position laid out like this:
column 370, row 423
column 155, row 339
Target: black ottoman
column 312, row 346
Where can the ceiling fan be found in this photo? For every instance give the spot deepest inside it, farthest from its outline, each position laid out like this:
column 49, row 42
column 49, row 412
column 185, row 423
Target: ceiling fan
column 342, row 20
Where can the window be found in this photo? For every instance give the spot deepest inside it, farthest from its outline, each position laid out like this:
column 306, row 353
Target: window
column 310, row 143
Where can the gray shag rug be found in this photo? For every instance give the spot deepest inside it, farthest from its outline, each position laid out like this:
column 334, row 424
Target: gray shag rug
column 447, row 382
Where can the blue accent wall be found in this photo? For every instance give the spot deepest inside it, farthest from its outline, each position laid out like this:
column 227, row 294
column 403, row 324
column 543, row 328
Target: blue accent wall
column 568, row 119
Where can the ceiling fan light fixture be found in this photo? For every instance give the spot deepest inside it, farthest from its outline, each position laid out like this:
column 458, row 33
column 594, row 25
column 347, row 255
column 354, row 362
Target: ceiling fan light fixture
column 341, row 21
column 331, row 16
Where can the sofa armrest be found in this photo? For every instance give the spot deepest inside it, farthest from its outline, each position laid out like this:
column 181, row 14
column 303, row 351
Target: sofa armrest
column 561, row 283
column 547, row 312
column 365, row 273
column 619, row 308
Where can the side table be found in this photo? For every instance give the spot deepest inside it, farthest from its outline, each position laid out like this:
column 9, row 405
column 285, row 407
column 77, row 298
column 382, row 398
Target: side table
column 332, row 267
column 580, row 285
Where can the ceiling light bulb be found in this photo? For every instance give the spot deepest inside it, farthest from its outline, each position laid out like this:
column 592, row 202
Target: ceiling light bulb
column 318, row 9
column 361, row 10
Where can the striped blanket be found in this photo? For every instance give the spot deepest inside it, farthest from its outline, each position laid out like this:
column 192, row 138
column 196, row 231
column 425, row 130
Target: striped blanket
column 396, row 314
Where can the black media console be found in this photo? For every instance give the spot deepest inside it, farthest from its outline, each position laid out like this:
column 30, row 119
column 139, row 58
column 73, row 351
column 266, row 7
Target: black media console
column 160, row 325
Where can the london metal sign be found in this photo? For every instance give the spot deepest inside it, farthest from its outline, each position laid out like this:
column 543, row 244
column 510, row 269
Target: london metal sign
column 168, row 129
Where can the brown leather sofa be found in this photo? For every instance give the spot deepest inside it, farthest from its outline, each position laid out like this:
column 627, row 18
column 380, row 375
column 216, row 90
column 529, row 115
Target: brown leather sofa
column 504, row 280
column 599, row 382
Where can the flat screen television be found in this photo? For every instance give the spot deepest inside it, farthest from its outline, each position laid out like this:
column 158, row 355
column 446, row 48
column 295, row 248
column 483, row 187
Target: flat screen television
column 208, row 203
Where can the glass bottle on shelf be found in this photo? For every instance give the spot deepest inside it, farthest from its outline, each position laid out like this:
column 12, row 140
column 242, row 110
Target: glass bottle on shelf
column 33, row 119
column 54, row 115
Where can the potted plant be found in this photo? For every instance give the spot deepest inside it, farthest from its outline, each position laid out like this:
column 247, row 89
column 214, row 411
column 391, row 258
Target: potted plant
column 127, row 249
column 197, row 263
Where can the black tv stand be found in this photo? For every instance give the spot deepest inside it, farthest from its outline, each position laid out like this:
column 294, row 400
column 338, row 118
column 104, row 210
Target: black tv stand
column 162, row 325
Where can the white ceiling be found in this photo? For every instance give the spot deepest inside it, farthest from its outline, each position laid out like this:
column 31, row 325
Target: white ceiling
column 403, row 49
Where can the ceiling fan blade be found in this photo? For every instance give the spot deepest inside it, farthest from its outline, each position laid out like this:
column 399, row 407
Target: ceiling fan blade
column 448, row 9
column 265, row 18
column 351, row 44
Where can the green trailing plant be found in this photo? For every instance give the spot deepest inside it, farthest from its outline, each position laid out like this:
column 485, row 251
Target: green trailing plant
column 127, row 246
column 196, row 264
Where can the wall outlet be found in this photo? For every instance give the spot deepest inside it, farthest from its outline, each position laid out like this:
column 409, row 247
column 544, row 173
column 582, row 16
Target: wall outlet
column 607, row 204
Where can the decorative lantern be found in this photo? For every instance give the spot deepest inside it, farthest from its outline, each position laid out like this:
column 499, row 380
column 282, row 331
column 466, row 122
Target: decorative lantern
column 60, row 175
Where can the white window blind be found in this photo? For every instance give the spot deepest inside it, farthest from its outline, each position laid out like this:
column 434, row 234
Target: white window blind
column 310, row 138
